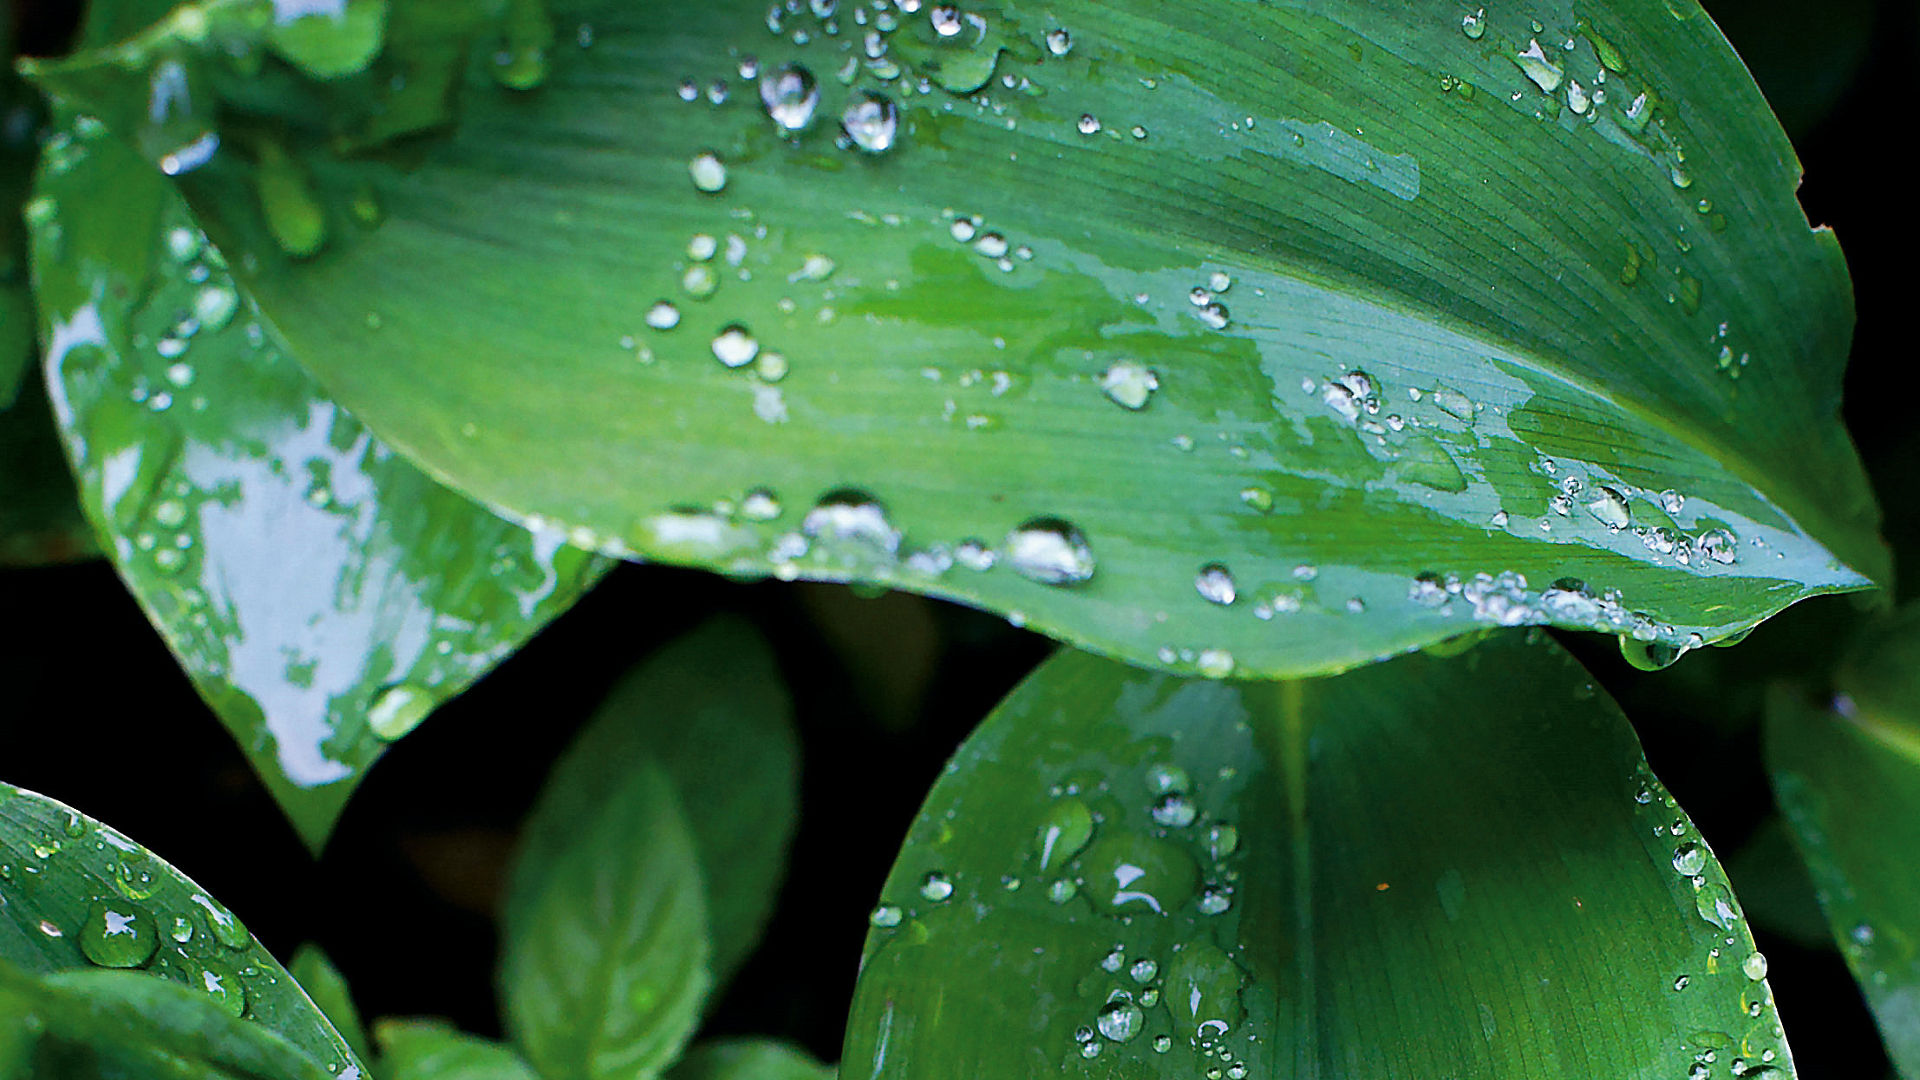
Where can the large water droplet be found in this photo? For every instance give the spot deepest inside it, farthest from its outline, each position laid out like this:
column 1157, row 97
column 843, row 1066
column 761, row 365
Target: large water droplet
column 1050, row 551
column 1120, row 1020
column 221, row 985
column 852, row 517
column 1130, row 384
column 1203, row 991
column 1215, row 584
column 1545, row 74
column 118, row 934
column 790, row 95
column 1066, row 829
column 1132, row 874
column 871, row 120
column 936, row 887
column 1609, row 508
column 1689, row 859
column 227, row 928
column 735, row 346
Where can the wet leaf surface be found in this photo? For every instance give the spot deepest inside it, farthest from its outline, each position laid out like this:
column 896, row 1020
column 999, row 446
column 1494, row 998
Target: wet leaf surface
column 1446, row 867
column 1410, row 323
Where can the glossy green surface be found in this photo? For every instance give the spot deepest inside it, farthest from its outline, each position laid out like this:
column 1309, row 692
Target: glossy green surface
column 321, row 591
column 748, row 1059
column 324, row 984
column 429, row 1050
column 711, row 711
column 1432, row 867
column 1565, row 256
column 605, row 957
column 73, row 889
column 98, row 1025
column 1847, row 774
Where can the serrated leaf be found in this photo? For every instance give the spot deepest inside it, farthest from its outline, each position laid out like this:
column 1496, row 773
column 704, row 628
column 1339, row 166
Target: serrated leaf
column 605, row 959
column 1457, row 867
column 1847, row 775
column 78, row 894
column 1404, row 300
column 428, row 1050
column 748, row 1059
column 323, row 594
column 711, row 711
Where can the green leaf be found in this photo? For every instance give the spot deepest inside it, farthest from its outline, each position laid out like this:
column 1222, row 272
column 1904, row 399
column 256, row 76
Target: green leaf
column 114, row 1025
column 1439, row 282
column 430, row 1050
column 76, row 894
column 605, row 962
column 1457, row 867
column 323, row 594
column 711, row 711
column 748, row 1059
column 323, row 983
column 1847, row 775
column 40, row 519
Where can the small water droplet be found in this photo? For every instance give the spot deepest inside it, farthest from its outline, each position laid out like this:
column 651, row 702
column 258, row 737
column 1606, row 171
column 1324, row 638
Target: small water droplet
column 1089, row 124
column 222, row 985
column 1755, row 966
column 708, row 174
column 1059, row 41
column 227, row 928
column 1121, row 1020
column 885, row 916
column 850, row 517
column 663, row 316
column 1064, row 832
column 1609, row 508
column 1175, row 811
column 397, row 710
column 1474, row 24
column 1130, row 384
column 936, row 887
column 1215, row 663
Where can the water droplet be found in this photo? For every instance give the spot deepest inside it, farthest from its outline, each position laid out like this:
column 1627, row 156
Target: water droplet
column 709, row 175
column 1130, row 384
column 885, row 916
column 871, row 121
column 1689, row 859
column 1755, row 966
column 1672, row 501
column 936, row 887
column 117, row 934
column 663, row 316
column 214, row 306
column 1681, row 982
column 1214, row 901
column 1455, row 404
column 1130, row 874
column 760, row 504
column 1203, row 991
column 1050, row 551
column 790, row 95
column 1064, row 832
column 1120, row 1020
column 1222, row 841
column 1143, row 971
column 1545, row 74
column 227, row 928
column 221, row 985
column 1162, row 1043
column 1175, row 811
column 1215, row 663
column 182, row 931
column 1215, row 584
column 1720, row 546
column 1089, row 124
column 974, row 555
column 398, row 710
column 1474, row 25
column 851, row 517
column 734, row 346
column 945, row 19
column 1215, row 315
column 1609, row 508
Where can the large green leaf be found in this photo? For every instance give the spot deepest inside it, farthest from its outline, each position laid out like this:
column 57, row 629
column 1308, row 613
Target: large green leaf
column 711, row 711
column 106, row 1025
column 322, row 592
column 605, row 963
column 425, row 1050
column 1430, row 867
column 314, row 971
column 1424, row 298
column 1847, row 774
column 748, row 1059
column 75, row 893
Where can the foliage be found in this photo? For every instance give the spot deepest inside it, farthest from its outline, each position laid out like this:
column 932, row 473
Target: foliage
column 1298, row 367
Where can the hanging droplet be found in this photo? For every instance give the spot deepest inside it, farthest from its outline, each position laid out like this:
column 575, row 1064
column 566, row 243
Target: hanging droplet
column 226, row 927
column 850, row 517
column 398, row 710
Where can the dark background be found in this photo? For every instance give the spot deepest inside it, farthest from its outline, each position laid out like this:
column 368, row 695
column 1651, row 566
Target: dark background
column 886, row 687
